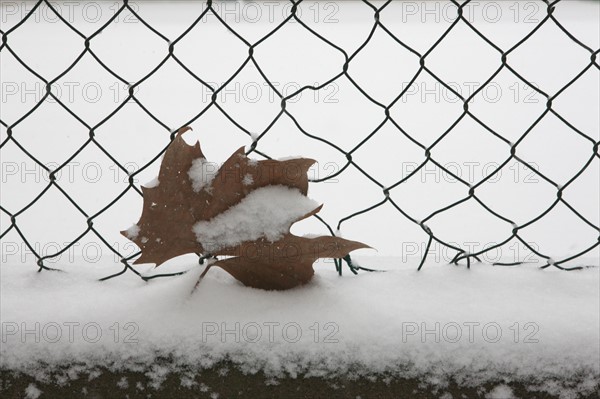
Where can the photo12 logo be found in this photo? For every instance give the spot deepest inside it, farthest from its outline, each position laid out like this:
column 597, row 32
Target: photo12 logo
column 92, row 12
column 272, row 11
column 65, row 253
column 270, row 332
column 66, row 92
column 490, row 252
column 491, row 92
column 272, row 92
column 528, row 12
column 470, row 331
column 69, row 332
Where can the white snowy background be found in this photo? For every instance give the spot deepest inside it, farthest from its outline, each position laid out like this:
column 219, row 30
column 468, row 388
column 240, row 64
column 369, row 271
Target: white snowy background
column 371, row 314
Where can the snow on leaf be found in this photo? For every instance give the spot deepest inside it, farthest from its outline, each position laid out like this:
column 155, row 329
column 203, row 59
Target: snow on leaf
column 202, row 173
column 248, row 180
column 152, row 183
column 132, row 232
column 246, row 221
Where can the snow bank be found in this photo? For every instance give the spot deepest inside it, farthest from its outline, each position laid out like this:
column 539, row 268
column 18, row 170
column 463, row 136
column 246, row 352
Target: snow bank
column 487, row 324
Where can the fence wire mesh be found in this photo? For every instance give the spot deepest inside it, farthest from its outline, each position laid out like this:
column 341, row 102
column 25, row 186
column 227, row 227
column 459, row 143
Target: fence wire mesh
column 14, row 131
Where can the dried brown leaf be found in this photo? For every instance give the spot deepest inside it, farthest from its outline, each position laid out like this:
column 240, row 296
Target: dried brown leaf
column 173, row 207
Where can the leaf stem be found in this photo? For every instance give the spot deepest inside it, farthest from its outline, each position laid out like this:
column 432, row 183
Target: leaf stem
column 208, row 265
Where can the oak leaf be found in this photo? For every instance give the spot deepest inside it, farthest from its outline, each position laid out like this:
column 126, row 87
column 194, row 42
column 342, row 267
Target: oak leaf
column 243, row 211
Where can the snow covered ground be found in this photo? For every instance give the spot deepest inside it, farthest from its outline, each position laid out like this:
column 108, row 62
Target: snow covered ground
column 499, row 324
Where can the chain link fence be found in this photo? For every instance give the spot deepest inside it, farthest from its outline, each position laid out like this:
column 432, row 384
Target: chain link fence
column 14, row 130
